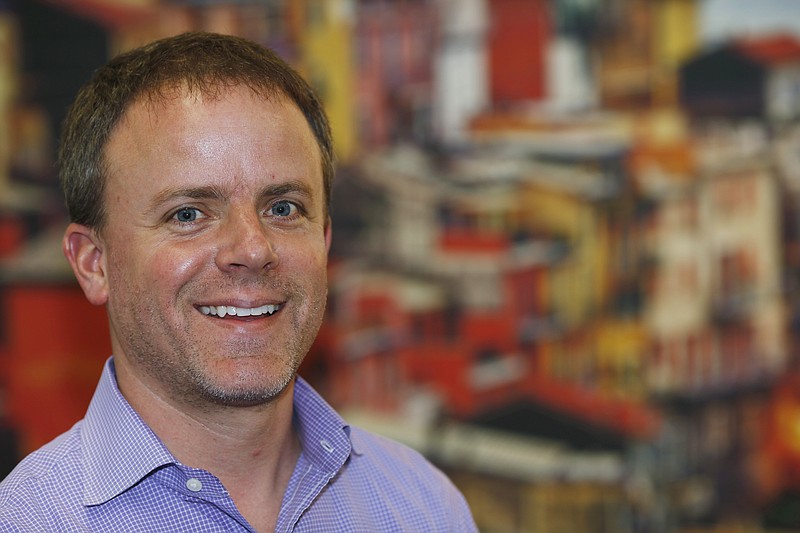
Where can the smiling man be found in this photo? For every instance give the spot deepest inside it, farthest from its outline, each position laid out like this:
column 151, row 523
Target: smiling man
column 197, row 174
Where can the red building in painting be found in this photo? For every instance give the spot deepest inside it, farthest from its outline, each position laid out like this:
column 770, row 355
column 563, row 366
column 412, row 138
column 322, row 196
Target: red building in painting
column 519, row 35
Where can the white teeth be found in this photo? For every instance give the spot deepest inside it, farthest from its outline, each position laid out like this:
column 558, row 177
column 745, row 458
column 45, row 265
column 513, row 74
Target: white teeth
column 224, row 310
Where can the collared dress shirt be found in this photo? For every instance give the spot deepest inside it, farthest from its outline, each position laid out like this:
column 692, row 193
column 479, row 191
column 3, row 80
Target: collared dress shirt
column 111, row 473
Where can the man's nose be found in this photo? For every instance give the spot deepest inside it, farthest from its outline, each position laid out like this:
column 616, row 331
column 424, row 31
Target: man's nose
column 246, row 244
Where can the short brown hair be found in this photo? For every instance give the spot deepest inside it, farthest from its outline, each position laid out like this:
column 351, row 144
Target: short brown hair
column 204, row 62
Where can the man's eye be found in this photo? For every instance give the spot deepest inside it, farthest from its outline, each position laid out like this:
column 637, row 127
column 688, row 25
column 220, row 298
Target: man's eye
column 284, row 208
column 186, row 214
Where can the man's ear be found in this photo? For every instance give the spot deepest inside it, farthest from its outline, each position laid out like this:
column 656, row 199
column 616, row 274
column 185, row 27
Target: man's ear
column 84, row 250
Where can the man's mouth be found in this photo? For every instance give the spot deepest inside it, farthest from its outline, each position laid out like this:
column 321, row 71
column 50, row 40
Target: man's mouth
column 229, row 310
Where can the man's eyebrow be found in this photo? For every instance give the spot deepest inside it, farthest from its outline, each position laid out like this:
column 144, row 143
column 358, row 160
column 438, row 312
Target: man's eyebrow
column 214, row 192
column 192, row 193
column 287, row 187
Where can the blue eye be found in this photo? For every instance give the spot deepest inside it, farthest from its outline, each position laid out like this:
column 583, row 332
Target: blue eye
column 186, row 214
column 284, row 208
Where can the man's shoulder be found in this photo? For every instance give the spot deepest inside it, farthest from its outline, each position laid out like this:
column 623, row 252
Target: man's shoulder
column 401, row 482
column 45, row 476
column 391, row 453
column 400, row 466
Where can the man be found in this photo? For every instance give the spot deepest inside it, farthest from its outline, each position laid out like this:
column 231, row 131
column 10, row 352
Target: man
column 197, row 174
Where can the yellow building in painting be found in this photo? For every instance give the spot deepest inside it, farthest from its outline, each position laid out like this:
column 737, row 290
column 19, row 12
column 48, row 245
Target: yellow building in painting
column 324, row 33
column 578, row 284
column 676, row 39
column 7, row 92
column 676, row 30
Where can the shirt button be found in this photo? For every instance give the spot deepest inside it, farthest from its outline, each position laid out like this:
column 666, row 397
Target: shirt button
column 327, row 445
column 194, row 484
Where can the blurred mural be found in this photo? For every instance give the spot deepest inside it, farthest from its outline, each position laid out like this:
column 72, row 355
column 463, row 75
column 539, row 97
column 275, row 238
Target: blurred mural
column 566, row 245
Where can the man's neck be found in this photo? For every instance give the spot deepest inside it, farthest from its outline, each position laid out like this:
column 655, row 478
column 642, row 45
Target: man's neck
column 252, row 450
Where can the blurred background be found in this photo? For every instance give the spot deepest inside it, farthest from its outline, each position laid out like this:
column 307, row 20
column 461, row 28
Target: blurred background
column 566, row 242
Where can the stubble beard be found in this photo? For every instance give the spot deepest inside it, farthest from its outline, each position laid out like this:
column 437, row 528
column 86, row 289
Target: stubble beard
column 261, row 367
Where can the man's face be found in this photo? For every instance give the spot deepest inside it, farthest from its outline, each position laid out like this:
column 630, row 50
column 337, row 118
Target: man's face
column 215, row 245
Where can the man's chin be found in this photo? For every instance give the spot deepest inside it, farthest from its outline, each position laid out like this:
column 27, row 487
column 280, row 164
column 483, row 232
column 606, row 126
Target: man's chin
column 244, row 398
column 247, row 391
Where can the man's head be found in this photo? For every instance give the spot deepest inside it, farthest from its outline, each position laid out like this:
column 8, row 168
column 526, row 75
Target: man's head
column 210, row 249
column 203, row 63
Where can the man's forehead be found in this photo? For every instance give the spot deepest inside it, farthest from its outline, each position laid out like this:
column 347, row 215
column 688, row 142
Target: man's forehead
column 184, row 123
column 152, row 106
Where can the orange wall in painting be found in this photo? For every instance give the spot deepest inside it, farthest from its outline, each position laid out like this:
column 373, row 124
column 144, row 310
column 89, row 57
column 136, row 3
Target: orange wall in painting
column 55, row 345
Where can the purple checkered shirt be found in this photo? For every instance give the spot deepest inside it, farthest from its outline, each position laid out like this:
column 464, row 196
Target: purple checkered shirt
column 111, row 473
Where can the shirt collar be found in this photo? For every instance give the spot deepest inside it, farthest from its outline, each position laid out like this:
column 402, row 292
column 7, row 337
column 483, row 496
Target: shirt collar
column 119, row 448
column 323, row 433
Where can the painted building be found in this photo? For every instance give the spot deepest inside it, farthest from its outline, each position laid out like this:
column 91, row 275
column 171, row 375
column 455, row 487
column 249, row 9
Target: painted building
column 324, row 38
column 517, row 39
column 642, row 44
column 750, row 77
column 461, row 87
column 8, row 89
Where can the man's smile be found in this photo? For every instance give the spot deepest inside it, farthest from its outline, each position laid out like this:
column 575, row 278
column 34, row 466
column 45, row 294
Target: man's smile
column 229, row 310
